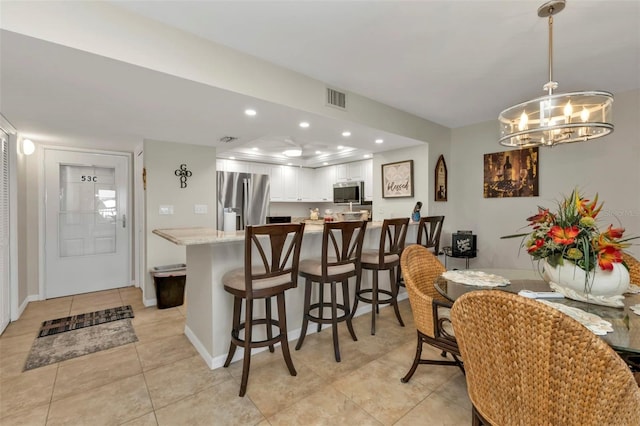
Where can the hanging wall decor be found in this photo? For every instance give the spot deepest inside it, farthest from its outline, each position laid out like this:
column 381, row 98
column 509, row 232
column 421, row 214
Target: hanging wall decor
column 511, row 174
column 397, row 179
column 183, row 174
column 441, row 180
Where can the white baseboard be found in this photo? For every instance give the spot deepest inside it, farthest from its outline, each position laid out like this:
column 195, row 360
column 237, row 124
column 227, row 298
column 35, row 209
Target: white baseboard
column 149, row 302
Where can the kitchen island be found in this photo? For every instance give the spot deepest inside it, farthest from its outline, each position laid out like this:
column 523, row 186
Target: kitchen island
column 211, row 253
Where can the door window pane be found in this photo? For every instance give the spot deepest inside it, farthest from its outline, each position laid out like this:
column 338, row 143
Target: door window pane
column 88, row 206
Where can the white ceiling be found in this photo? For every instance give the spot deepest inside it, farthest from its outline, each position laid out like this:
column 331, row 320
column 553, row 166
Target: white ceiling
column 452, row 62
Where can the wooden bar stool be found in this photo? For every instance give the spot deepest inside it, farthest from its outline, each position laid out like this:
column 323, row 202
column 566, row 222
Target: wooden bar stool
column 341, row 250
column 429, row 230
column 385, row 258
column 277, row 272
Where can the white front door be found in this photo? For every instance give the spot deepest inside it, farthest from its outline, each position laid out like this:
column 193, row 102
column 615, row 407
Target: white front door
column 87, row 238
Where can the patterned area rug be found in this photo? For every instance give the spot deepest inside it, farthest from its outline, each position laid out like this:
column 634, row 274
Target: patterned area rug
column 60, row 325
column 62, row 346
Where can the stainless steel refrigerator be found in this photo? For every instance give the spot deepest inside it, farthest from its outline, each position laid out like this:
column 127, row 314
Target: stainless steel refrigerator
column 246, row 194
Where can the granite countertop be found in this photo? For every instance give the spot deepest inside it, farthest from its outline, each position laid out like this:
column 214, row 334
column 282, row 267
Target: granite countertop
column 201, row 235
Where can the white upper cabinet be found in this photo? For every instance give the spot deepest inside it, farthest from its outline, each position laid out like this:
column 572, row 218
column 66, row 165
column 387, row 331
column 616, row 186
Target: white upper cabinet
column 260, row 168
column 351, row 171
column 302, row 184
column 325, row 177
column 223, row 165
column 307, row 185
column 367, row 168
column 291, row 182
column 277, row 183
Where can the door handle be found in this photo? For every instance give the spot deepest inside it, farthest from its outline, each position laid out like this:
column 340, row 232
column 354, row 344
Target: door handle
column 124, row 220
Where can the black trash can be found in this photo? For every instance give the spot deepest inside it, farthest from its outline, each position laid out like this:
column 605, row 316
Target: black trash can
column 169, row 282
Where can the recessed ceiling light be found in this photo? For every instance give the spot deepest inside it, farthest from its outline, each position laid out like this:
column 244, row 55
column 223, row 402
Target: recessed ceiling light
column 340, row 146
column 255, row 148
column 318, row 152
column 325, row 164
column 250, row 112
column 379, row 140
column 292, row 152
column 346, row 133
column 367, row 155
column 232, row 158
column 303, row 124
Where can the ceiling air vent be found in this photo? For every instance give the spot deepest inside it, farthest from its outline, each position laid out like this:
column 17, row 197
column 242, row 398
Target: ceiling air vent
column 336, row 99
column 227, row 139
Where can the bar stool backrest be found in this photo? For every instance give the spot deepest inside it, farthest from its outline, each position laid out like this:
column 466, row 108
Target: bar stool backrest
column 342, row 244
column 394, row 232
column 278, row 252
column 429, row 230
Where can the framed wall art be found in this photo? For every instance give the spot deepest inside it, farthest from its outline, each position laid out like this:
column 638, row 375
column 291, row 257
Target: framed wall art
column 511, row 174
column 397, row 179
column 441, row 180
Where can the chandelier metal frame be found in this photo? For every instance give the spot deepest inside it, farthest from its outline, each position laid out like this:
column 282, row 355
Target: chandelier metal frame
column 556, row 118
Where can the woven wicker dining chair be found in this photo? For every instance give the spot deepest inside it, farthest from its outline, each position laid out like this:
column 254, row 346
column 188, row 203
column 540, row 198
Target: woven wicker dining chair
column 527, row 363
column 634, row 267
column 430, row 308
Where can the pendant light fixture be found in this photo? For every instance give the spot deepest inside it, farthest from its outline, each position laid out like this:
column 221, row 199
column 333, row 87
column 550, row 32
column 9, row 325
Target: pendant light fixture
column 556, row 118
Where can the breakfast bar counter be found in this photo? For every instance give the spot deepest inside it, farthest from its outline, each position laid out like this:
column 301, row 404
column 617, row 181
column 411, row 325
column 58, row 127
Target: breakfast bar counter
column 212, row 253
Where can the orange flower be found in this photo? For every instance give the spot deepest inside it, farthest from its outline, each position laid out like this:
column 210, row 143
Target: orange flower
column 612, row 232
column 603, row 242
column 564, row 236
column 535, row 245
column 588, row 209
column 543, row 216
column 608, row 256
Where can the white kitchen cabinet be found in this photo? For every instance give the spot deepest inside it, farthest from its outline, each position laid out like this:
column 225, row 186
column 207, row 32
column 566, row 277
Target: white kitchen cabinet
column 367, row 167
column 260, row 168
column 277, row 183
column 307, row 185
column 325, row 177
column 224, row 165
column 350, row 171
column 291, row 183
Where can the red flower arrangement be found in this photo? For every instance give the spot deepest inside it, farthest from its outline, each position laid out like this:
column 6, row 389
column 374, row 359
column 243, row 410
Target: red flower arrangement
column 572, row 234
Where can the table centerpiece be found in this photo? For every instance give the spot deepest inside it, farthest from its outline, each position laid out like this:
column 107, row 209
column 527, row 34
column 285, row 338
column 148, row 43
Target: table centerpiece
column 578, row 258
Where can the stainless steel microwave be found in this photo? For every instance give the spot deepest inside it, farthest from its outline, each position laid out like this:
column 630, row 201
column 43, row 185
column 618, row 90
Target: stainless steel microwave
column 348, row 192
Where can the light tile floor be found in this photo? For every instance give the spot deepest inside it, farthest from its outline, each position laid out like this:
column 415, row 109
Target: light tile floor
column 161, row 380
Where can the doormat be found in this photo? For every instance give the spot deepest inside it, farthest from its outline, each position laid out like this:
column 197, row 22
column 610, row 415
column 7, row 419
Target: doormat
column 75, row 322
column 62, row 346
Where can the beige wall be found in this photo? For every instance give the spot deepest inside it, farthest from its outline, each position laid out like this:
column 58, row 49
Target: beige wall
column 607, row 166
column 161, row 159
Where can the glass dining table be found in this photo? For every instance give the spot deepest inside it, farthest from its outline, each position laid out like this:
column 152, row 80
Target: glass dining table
column 625, row 338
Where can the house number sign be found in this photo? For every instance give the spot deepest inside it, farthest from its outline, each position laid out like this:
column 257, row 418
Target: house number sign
column 183, row 174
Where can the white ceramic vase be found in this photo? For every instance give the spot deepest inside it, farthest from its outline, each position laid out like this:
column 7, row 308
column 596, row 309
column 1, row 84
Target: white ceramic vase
column 601, row 282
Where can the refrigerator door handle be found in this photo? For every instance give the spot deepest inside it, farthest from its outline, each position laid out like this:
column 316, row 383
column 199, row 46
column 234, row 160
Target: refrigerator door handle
column 246, row 196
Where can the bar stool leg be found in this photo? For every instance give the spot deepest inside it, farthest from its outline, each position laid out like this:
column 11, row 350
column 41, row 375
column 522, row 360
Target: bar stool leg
column 334, row 321
column 374, row 302
column 237, row 306
column 320, row 304
column 248, row 325
column 284, row 341
column 357, row 294
column 394, row 295
column 267, row 303
column 347, row 310
column 305, row 313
